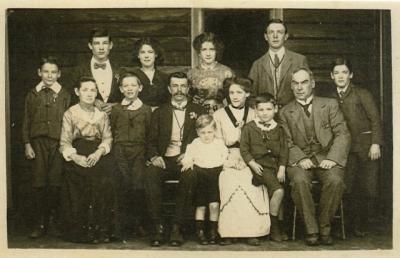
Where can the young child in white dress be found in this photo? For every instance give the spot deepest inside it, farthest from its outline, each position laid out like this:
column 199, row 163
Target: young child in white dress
column 206, row 156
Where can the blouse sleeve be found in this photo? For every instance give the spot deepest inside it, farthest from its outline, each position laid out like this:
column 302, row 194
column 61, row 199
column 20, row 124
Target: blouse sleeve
column 67, row 136
column 106, row 135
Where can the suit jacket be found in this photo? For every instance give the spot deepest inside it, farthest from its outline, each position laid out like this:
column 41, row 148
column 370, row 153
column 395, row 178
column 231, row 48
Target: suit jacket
column 330, row 130
column 263, row 78
column 362, row 117
column 84, row 70
column 161, row 128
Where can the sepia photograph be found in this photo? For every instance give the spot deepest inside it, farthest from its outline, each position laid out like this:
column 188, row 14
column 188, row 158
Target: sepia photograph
column 199, row 128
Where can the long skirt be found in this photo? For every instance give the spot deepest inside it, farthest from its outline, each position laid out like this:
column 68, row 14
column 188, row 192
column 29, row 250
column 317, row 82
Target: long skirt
column 87, row 197
column 244, row 208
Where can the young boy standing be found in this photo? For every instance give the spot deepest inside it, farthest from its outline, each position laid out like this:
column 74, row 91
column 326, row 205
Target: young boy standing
column 206, row 156
column 130, row 123
column 264, row 148
column 362, row 117
column 45, row 105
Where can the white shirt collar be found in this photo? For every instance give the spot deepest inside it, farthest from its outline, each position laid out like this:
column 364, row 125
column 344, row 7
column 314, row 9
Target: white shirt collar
column 342, row 89
column 307, row 101
column 93, row 60
column 181, row 105
column 263, row 127
column 56, row 87
column 136, row 104
column 280, row 53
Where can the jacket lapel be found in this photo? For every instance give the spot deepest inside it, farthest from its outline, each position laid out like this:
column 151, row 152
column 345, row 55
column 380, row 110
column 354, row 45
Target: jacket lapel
column 166, row 117
column 267, row 66
column 187, row 125
column 295, row 111
column 286, row 63
column 317, row 109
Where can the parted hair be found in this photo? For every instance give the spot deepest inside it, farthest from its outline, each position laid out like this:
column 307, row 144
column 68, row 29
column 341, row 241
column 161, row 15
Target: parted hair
column 209, row 37
column 155, row 44
column 83, row 79
column 276, row 21
column 265, row 98
column 342, row 61
column 126, row 75
column 96, row 33
column 49, row 60
column 205, row 120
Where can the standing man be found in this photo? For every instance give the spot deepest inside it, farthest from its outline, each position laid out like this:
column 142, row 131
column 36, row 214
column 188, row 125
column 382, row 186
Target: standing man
column 102, row 70
column 319, row 142
column 272, row 73
column 362, row 117
column 172, row 129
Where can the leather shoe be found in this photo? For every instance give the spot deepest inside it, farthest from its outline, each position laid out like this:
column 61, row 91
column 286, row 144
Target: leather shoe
column 158, row 237
column 38, row 232
column 326, row 240
column 176, row 238
column 225, row 241
column 312, row 239
column 253, row 241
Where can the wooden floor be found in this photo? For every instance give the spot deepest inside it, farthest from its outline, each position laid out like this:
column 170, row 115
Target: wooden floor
column 381, row 238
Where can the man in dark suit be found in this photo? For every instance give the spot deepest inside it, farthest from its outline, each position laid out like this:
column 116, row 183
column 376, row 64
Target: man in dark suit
column 102, row 70
column 272, row 72
column 363, row 120
column 319, row 142
column 172, row 129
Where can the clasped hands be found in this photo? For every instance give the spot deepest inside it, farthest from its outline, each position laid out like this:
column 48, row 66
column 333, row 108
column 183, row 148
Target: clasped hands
column 89, row 161
column 308, row 164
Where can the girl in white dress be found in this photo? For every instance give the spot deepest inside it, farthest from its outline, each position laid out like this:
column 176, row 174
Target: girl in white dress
column 244, row 208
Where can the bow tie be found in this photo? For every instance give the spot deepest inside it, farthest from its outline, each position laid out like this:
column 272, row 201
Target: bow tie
column 102, row 66
column 176, row 107
column 265, row 124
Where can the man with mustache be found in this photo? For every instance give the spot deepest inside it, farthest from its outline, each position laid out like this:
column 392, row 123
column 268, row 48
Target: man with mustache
column 272, row 72
column 172, row 129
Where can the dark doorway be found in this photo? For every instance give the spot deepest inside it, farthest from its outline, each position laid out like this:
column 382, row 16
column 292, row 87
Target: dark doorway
column 242, row 32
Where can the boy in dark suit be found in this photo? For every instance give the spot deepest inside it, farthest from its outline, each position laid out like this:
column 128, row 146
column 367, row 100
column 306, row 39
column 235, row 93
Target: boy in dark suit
column 264, row 148
column 272, row 72
column 102, row 70
column 172, row 129
column 45, row 105
column 363, row 120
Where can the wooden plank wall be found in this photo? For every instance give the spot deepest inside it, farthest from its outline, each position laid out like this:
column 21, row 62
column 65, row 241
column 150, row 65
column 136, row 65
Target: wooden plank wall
column 322, row 35
column 64, row 33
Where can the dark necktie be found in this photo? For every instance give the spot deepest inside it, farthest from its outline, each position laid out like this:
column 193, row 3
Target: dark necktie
column 341, row 93
column 102, row 66
column 276, row 61
column 305, row 108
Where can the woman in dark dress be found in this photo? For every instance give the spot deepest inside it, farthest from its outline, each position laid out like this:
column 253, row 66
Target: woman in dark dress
column 87, row 191
column 148, row 53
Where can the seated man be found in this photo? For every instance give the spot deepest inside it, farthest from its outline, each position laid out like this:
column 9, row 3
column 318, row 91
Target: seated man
column 172, row 129
column 319, row 142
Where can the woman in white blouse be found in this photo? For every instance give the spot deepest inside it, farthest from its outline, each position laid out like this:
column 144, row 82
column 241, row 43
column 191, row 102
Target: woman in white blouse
column 244, row 208
column 87, row 192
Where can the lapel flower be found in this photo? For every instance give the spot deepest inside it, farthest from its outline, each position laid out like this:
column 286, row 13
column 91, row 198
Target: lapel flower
column 116, row 76
column 192, row 115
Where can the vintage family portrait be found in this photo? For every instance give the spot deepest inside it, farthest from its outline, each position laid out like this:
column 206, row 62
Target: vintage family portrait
column 199, row 128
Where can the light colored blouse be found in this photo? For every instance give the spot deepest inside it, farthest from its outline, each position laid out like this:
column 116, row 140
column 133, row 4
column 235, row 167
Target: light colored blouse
column 225, row 128
column 78, row 123
column 206, row 155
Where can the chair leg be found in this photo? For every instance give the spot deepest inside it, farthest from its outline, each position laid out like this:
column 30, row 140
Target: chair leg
column 294, row 224
column 342, row 220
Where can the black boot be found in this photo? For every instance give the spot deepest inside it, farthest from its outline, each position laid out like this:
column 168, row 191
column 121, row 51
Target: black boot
column 201, row 236
column 158, row 235
column 213, row 232
column 275, row 229
column 176, row 238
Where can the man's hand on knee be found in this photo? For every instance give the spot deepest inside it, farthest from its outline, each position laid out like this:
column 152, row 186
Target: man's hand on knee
column 327, row 164
column 306, row 164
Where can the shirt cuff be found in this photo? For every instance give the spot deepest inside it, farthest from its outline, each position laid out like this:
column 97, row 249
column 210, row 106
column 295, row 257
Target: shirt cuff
column 67, row 153
column 106, row 148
